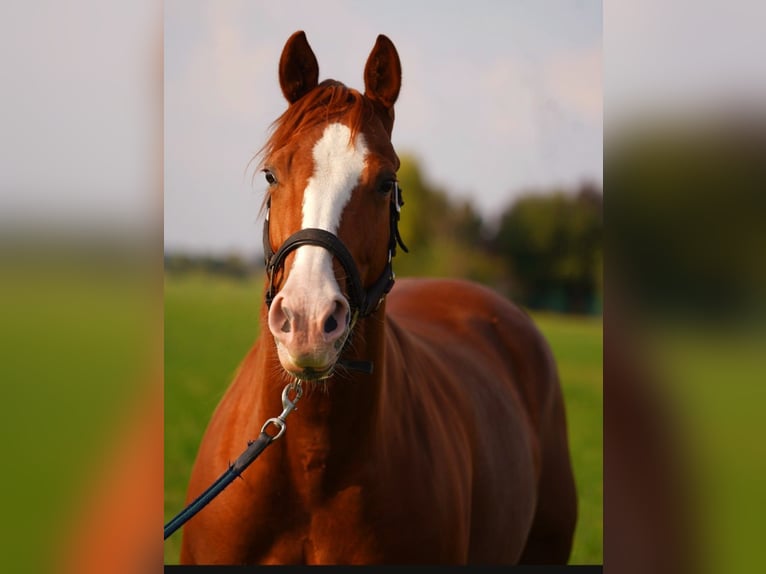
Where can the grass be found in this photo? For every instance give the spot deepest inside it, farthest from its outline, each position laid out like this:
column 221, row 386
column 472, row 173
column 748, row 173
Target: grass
column 711, row 383
column 210, row 323
column 578, row 348
column 73, row 358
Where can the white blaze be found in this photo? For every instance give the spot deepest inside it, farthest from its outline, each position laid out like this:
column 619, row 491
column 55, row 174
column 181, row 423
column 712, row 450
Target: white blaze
column 338, row 165
column 337, row 168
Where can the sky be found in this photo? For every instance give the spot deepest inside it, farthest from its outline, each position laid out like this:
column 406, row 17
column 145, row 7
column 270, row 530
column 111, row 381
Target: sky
column 498, row 99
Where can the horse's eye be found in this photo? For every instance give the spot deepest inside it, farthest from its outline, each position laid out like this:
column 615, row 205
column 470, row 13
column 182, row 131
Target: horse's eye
column 270, row 177
column 387, row 186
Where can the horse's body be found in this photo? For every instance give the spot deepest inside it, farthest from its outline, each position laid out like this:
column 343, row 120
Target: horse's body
column 454, row 450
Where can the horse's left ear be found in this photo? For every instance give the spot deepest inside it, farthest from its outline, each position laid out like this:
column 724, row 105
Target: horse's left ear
column 383, row 73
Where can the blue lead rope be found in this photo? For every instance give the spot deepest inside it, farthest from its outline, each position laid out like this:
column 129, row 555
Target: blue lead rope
column 244, row 460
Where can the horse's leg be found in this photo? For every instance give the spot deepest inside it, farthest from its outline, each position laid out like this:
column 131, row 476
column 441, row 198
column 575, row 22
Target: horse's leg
column 550, row 538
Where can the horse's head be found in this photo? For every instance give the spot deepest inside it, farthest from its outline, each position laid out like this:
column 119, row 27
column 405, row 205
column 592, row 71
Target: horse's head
column 333, row 205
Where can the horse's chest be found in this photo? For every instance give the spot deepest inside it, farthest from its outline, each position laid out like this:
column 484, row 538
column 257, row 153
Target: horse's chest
column 337, row 531
column 383, row 521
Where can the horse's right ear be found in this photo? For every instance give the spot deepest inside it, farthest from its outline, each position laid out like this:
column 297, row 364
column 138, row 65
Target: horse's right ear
column 298, row 68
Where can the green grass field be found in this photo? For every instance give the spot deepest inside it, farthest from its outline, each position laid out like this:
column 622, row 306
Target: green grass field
column 210, row 323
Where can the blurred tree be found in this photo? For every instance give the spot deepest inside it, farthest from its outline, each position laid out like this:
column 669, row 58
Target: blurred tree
column 552, row 243
column 445, row 239
column 231, row 265
column 424, row 207
column 686, row 215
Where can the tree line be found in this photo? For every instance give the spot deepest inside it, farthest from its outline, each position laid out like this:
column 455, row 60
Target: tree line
column 544, row 251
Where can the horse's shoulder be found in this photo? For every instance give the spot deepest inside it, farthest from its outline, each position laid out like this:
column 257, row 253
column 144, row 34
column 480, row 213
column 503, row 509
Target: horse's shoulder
column 453, row 310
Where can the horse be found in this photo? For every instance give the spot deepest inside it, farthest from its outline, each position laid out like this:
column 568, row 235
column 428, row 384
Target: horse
column 433, row 427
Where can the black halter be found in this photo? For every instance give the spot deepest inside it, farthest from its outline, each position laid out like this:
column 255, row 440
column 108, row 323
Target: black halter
column 363, row 301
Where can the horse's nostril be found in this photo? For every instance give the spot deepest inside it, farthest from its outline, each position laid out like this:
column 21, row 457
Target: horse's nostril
column 330, row 325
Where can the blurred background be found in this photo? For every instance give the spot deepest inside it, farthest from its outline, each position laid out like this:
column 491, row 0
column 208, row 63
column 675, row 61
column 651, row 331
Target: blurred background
column 685, row 175
column 98, row 310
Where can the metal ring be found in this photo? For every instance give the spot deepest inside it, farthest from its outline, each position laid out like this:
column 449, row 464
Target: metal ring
column 277, row 421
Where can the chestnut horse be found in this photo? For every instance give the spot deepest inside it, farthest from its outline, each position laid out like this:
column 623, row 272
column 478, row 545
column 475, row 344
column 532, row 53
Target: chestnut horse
column 452, row 448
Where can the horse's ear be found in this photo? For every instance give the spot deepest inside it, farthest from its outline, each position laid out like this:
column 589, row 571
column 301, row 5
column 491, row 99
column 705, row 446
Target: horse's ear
column 383, row 73
column 298, row 67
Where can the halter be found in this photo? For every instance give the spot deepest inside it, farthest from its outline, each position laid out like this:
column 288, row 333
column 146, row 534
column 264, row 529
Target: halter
column 363, row 302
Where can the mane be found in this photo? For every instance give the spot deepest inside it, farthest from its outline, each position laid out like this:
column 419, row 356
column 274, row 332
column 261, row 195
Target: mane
column 328, row 101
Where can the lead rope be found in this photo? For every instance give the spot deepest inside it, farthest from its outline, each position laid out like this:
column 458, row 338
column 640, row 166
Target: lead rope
column 254, row 448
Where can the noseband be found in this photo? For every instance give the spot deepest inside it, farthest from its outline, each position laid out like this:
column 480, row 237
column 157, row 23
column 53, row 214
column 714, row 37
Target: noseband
column 363, row 302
